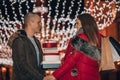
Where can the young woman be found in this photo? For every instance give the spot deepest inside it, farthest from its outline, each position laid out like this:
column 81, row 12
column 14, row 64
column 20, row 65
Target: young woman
column 81, row 61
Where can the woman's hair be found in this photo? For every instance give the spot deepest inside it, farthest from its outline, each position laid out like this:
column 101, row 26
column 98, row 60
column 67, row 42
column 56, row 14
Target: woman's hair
column 90, row 28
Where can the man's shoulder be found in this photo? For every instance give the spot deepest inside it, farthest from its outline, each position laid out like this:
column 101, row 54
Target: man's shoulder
column 19, row 40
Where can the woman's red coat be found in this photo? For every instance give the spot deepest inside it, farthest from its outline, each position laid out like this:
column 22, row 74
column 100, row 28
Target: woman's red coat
column 87, row 68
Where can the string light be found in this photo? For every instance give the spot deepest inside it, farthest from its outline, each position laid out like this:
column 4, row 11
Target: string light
column 72, row 4
column 78, row 8
column 48, row 20
column 56, row 8
column 63, row 11
column 103, row 12
column 27, row 6
column 62, row 43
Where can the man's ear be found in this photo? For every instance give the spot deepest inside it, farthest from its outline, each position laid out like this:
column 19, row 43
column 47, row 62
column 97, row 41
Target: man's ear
column 30, row 22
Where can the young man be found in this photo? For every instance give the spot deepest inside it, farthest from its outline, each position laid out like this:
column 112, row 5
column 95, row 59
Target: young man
column 26, row 50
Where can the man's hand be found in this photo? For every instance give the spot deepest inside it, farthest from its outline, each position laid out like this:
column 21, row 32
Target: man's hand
column 49, row 77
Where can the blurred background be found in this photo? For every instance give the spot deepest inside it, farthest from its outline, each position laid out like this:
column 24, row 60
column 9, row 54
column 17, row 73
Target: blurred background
column 58, row 20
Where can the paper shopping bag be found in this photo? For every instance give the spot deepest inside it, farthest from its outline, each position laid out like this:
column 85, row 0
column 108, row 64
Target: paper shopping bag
column 107, row 62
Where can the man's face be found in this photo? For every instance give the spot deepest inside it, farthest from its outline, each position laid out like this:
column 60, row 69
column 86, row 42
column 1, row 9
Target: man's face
column 36, row 24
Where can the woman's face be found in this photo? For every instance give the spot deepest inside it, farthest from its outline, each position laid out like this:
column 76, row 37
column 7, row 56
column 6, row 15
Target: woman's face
column 78, row 24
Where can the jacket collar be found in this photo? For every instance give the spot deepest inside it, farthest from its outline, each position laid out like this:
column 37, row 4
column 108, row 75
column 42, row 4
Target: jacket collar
column 85, row 47
column 22, row 33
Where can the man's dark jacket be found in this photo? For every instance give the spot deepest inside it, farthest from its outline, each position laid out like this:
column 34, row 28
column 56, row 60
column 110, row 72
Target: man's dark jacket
column 24, row 57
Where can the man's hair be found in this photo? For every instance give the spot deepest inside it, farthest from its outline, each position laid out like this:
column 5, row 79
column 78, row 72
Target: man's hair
column 28, row 16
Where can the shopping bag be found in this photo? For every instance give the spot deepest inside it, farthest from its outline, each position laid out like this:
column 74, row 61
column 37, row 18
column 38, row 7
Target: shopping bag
column 107, row 62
